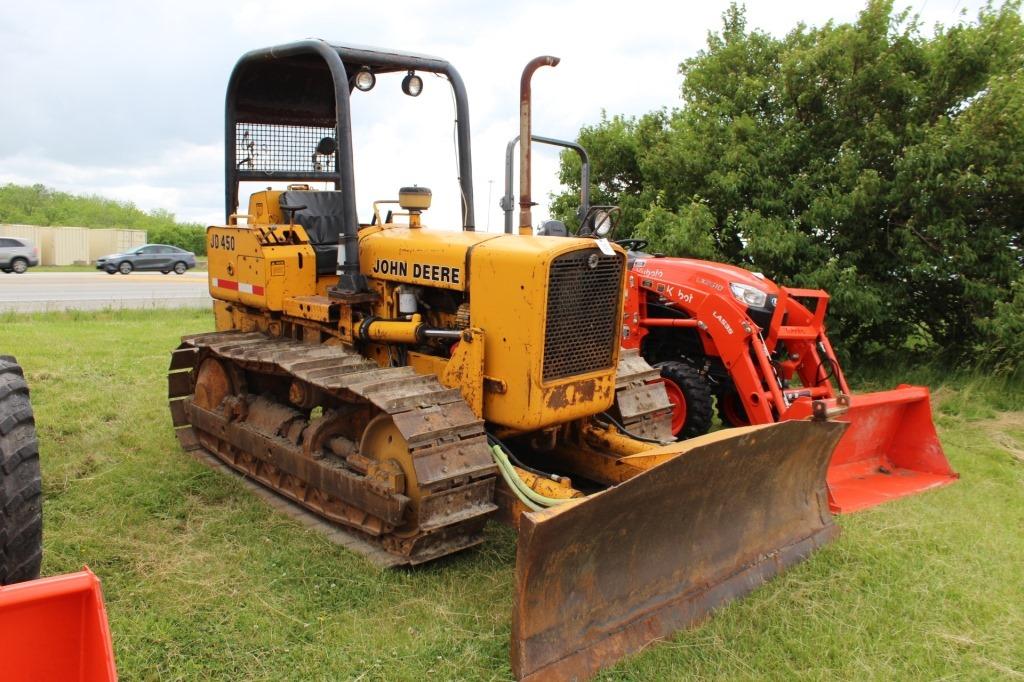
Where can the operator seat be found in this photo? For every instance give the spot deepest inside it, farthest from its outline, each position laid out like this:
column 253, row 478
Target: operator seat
column 322, row 218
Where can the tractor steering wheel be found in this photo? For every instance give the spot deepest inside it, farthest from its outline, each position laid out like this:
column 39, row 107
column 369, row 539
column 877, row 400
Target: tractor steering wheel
column 632, row 244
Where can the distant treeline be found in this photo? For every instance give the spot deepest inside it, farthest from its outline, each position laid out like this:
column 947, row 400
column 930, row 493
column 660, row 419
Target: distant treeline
column 39, row 205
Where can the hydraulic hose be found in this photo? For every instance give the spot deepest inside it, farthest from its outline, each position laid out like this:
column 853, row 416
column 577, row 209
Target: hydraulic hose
column 510, row 482
column 518, row 486
column 634, row 436
column 493, row 440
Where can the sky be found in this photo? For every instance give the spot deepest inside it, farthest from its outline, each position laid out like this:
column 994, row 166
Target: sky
column 125, row 99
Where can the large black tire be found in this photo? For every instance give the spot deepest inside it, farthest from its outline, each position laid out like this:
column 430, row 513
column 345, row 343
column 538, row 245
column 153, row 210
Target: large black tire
column 21, row 499
column 690, row 396
column 731, row 410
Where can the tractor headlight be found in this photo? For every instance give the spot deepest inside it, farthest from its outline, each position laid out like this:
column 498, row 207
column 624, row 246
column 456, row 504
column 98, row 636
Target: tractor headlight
column 412, row 84
column 748, row 295
column 365, row 80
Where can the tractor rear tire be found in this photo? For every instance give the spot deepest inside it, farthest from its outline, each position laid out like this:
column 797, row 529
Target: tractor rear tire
column 731, row 410
column 690, row 396
column 21, row 509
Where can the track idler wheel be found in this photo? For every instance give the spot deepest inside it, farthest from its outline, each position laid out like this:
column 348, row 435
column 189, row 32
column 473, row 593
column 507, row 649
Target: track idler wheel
column 213, row 384
column 385, row 447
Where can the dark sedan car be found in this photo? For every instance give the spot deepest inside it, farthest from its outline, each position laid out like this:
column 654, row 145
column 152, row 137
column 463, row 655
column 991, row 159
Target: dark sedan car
column 159, row 257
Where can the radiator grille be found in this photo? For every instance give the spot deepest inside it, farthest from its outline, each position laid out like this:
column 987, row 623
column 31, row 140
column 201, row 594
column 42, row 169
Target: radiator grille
column 584, row 296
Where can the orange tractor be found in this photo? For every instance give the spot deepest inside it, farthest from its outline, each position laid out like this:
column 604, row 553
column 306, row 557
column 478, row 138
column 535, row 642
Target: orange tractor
column 722, row 334
column 760, row 349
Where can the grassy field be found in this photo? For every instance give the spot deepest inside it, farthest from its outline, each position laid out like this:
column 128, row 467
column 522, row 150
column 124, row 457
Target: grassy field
column 203, row 581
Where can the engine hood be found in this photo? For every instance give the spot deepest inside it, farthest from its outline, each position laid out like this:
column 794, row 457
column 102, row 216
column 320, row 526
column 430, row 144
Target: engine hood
column 701, row 272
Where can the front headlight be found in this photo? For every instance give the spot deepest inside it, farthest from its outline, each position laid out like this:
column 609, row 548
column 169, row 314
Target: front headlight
column 751, row 296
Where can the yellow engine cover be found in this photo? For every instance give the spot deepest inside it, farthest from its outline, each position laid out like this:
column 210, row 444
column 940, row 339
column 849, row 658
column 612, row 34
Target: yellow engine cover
column 507, row 278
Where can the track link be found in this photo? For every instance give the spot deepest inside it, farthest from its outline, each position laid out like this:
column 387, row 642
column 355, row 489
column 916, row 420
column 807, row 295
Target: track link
column 268, row 440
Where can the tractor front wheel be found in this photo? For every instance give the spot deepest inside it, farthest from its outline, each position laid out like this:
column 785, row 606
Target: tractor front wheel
column 21, row 512
column 690, row 396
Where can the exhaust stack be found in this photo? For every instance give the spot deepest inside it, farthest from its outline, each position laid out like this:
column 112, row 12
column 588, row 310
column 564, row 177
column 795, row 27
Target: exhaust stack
column 525, row 198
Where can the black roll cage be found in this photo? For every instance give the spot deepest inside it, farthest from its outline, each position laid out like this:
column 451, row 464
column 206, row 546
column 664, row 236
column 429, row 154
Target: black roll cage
column 308, row 83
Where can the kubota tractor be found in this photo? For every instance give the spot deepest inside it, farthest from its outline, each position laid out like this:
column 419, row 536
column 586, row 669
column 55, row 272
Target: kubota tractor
column 723, row 335
column 406, row 383
column 761, row 351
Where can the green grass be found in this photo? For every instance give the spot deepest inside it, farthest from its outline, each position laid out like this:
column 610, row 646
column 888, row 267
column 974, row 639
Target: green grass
column 204, row 581
column 63, row 268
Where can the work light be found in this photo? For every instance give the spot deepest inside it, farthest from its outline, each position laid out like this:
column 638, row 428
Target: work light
column 412, row 84
column 365, row 80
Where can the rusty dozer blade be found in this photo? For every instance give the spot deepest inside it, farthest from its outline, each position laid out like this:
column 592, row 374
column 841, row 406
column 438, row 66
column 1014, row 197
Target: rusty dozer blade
column 599, row 579
column 891, row 449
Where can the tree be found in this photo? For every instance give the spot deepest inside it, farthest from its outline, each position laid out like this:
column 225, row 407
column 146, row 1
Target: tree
column 867, row 159
column 39, row 205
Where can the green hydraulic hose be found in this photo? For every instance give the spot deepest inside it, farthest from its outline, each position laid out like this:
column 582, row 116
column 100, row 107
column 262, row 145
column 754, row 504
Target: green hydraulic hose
column 510, row 482
column 533, row 499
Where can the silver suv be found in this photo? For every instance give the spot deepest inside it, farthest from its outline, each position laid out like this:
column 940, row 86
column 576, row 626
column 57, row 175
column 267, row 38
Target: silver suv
column 17, row 254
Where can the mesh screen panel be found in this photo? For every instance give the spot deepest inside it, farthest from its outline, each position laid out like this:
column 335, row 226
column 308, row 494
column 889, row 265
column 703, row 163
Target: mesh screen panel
column 582, row 332
column 276, row 148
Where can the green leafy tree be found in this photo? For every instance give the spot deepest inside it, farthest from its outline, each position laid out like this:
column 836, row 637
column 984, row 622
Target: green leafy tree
column 39, row 205
column 867, row 159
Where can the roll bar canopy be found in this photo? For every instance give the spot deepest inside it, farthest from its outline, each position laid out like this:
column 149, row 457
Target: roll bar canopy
column 283, row 104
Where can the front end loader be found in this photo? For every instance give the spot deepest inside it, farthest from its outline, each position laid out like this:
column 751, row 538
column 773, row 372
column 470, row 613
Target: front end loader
column 761, row 350
column 407, row 384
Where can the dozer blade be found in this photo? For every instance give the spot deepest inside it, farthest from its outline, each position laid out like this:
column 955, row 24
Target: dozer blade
column 891, row 450
column 601, row 578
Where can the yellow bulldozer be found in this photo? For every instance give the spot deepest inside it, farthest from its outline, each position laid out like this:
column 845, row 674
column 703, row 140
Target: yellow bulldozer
column 408, row 384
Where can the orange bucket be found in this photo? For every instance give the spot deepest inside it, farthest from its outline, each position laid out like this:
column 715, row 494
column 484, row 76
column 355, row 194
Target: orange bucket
column 55, row 629
column 889, row 451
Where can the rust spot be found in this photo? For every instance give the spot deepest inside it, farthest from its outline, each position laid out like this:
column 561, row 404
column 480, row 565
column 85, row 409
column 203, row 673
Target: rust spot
column 570, row 394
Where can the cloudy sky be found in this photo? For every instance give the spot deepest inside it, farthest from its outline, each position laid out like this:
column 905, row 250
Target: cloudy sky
column 125, row 99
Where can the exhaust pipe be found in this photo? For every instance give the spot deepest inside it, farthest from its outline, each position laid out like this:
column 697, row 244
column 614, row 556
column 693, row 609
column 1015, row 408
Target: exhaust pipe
column 526, row 139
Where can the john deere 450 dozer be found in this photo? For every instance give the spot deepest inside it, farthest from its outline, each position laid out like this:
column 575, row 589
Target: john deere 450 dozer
column 407, row 383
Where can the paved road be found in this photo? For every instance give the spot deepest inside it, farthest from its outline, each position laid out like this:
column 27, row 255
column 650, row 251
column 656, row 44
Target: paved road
column 40, row 291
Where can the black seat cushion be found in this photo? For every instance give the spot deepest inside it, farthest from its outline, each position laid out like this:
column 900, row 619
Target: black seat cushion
column 322, row 219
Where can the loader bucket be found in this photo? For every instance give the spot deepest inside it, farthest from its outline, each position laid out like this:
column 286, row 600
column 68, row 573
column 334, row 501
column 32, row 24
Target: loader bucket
column 55, row 629
column 599, row 579
column 891, row 450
